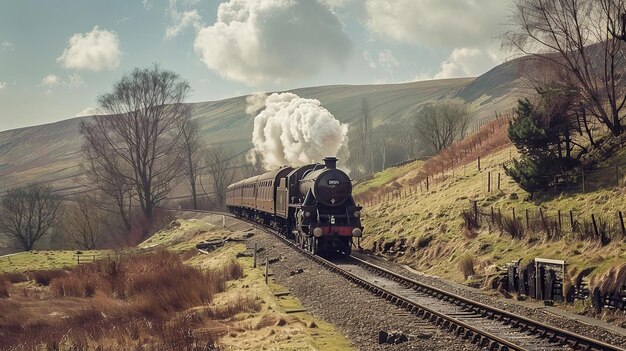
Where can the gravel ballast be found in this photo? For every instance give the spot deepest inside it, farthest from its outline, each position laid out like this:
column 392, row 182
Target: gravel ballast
column 356, row 312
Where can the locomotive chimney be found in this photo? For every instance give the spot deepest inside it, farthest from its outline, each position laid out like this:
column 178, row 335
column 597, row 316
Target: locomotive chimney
column 330, row 162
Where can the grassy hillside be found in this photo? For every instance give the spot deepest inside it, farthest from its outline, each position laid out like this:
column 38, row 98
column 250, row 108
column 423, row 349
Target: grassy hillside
column 51, row 153
column 425, row 229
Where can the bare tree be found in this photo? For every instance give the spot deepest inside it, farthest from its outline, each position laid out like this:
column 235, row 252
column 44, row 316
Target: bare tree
column 219, row 164
column 191, row 153
column 28, row 213
column 439, row 124
column 581, row 37
column 139, row 142
column 102, row 168
column 82, row 223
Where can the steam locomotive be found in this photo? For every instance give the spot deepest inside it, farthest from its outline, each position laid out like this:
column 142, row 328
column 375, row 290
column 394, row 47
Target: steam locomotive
column 312, row 205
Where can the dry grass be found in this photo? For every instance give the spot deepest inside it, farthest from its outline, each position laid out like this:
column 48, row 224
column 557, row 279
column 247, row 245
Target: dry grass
column 14, row 277
column 513, row 227
column 135, row 298
column 5, row 285
column 466, row 265
column 44, row 277
column 611, row 282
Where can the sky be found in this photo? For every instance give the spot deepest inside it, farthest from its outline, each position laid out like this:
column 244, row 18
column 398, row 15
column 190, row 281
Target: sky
column 57, row 57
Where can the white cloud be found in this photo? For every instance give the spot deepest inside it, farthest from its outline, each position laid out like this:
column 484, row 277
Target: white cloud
column 437, row 23
column 74, row 80
column 182, row 20
column 95, row 50
column 260, row 41
column 368, row 59
column 387, row 61
column 89, row 111
column 468, row 62
column 7, row 45
column 50, row 81
column 146, row 4
column 3, row 85
column 333, row 4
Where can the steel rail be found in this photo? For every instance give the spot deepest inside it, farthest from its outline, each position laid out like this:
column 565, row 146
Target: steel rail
column 525, row 324
column 475, row 335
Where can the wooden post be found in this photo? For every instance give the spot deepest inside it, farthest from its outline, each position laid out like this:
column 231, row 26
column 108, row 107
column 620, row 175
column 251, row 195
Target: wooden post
column 254, row 255
column 489, row 181
column 583, row 176
column 267, row 269
column 560, row 225
column 223, row 221
column 571, row 220
column 479, row 163
column 513, row 211
column 492, row 215
column 621, row 220
column 527, row 220
column 498, row 180
column 500, row 216
column 595, row 226
column 426, row 183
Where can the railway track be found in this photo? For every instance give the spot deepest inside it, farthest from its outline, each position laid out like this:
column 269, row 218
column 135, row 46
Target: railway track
column 480, row 324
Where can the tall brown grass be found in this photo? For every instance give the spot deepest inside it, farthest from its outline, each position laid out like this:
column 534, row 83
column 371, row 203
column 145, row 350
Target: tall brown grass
column 466, row 265
column 136, row 296
column 4, row 288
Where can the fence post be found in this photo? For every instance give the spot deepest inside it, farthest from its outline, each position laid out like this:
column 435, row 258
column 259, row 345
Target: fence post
column 500, row 216
column 513, row 210
column 426, row 183
column 489, row 181
column 498, row 180
column 621, row 220
column 479, row 163
column 559, row 214
column 254, row 256
column 266, row 269
column 571, row 220
column 492, row 215
column 595, row 226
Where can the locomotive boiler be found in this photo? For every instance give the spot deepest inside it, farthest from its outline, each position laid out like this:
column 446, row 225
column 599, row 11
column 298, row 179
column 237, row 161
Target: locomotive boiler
column 312, row 205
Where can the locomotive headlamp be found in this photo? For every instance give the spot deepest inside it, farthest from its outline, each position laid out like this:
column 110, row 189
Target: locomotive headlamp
column 317, row 232
column 332, row 219
column 307, row 214
column 357, row 214
column 356, row 232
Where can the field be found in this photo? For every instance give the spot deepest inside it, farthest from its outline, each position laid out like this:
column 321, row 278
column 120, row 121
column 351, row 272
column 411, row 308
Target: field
column 162, row 294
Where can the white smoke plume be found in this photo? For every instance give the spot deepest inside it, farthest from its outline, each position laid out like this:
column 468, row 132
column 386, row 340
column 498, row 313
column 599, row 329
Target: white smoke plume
column 255, row 102
column 295, row 131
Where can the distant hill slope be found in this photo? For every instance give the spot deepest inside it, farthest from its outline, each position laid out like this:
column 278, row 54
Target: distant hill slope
column 51, row 152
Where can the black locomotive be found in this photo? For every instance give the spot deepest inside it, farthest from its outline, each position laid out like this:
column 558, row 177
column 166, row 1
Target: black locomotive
column 312, row 205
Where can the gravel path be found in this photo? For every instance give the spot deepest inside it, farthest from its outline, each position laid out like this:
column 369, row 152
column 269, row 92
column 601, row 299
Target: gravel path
column 538, row 314
column 357, row 313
